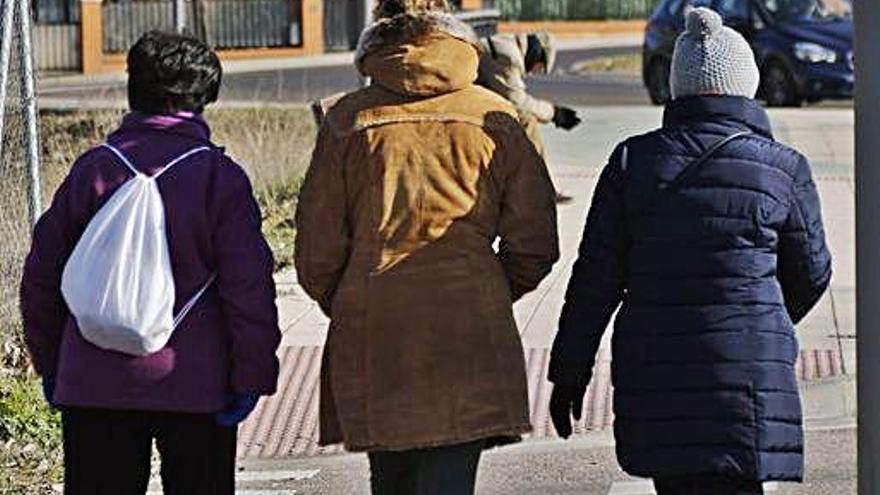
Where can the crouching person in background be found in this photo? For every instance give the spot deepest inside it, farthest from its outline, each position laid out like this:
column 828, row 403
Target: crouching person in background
column 411, row 182
column 118, row 386
column 709, row 233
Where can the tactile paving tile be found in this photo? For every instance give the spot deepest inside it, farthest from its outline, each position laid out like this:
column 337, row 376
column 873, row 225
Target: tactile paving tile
column 286, row 425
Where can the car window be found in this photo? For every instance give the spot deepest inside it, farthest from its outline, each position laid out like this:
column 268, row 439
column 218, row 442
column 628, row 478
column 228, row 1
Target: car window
column 809, row 10
column 733, row 11
column 694, row 3
column 672, row 7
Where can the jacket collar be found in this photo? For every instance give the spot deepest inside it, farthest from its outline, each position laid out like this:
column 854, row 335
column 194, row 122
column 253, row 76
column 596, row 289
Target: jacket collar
column 735, row 110
column 185, row 124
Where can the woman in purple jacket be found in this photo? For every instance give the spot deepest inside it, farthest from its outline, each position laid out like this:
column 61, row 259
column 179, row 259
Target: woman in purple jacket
column 189, row 396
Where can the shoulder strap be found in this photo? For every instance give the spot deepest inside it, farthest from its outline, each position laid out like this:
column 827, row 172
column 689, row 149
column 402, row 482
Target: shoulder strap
column 164, row 169
column 692, row 168
column 122, row 158
column 689, row 170
column 492, row 49
column 188, row 307
column 181, row 158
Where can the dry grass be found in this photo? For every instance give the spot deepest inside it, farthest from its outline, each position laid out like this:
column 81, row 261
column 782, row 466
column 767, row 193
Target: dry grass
column 629, row 65
column 273, row 145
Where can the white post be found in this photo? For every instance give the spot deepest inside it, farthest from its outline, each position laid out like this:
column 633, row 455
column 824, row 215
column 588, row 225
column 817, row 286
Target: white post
column 367, row 5
column 867, row 18
column 31, row 115
column 5, row 53
column 368, row 13
column 180, row 16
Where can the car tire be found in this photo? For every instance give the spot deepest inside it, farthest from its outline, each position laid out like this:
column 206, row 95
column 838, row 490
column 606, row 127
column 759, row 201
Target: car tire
column 657, row 81
column 778, row 86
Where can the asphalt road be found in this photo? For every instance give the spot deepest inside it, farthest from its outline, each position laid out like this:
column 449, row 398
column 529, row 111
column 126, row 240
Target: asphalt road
column 302, row 85
column 579, row 467
column 562, row 86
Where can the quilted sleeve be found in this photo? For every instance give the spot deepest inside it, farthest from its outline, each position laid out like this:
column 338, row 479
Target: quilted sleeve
column 804, row 259
column 597, row 283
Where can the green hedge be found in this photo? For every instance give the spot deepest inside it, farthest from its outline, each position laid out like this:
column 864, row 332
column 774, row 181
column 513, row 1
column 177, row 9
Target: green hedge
column 574, row 10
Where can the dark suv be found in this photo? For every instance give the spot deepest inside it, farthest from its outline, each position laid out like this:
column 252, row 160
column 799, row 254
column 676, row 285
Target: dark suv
column 803, row 47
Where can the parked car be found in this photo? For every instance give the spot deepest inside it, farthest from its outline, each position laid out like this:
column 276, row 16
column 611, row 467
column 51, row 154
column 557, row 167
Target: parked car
column 803, row 47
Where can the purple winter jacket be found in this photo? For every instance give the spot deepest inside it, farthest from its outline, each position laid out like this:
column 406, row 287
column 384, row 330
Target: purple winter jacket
column 227, row 344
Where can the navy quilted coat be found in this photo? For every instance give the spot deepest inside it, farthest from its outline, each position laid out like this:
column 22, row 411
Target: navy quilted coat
column 709, row 279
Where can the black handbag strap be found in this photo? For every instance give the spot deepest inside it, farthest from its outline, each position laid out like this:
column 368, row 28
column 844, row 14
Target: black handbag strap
column 692, row 168
column 492, row 49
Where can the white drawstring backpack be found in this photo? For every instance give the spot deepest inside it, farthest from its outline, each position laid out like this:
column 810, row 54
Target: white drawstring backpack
column 118, row 282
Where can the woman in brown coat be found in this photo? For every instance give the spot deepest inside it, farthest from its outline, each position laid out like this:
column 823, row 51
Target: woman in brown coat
column 412, row 181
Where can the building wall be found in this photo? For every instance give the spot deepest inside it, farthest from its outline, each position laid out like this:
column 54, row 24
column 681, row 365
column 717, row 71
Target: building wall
column 95, row 61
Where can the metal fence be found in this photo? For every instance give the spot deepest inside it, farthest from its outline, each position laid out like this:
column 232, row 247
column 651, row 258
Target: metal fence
column 343, row 20
column 573, row 10
column 20, row 200
column 224, row 23
column 57, row 47
column 484, row 22
column 56, row 11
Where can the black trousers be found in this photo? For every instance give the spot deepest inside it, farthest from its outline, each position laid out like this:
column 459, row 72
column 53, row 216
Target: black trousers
column 108, row 453
column 439, row 471
column 707, row 485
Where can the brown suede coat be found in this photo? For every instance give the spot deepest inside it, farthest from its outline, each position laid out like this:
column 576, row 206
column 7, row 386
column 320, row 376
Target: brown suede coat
column 412, row 181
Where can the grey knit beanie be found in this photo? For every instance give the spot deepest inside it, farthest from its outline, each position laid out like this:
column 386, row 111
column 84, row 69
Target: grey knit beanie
column 711, row 59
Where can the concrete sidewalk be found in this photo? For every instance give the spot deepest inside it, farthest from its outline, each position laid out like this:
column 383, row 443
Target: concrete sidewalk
column 581, row 466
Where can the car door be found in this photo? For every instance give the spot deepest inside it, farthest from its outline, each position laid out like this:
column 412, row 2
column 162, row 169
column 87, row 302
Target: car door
column 738, row 15
column 748, row 18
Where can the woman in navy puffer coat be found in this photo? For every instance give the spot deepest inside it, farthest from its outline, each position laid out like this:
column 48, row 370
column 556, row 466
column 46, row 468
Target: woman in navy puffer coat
column 710, row 275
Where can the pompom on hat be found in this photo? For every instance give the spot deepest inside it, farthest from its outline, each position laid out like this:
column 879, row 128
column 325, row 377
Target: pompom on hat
column 712, row 59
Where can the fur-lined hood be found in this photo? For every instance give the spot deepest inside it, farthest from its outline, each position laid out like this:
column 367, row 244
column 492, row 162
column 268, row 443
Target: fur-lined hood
column 420, row 54
column 408, row 27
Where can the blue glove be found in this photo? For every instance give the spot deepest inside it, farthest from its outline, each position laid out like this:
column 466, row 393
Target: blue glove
column 49, row 390
column 238, row 408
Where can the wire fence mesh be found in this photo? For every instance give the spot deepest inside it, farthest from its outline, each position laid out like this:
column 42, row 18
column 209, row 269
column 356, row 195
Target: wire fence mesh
column 17, row 183
column 574, row 10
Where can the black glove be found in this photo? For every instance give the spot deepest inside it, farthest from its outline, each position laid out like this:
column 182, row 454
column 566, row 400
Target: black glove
column 566, row 401
column 49, row 390
column 565, row 118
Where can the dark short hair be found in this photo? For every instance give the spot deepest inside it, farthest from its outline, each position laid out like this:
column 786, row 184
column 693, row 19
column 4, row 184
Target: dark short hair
column 169, row 73
column 535, row 53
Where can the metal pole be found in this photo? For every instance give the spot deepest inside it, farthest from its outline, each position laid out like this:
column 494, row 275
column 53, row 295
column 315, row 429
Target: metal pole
column 867, row 18
column 199, row 31
column 180, row 16
column 29, row 101
column 367, row 5
column 5, row 51
column 368, row 13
